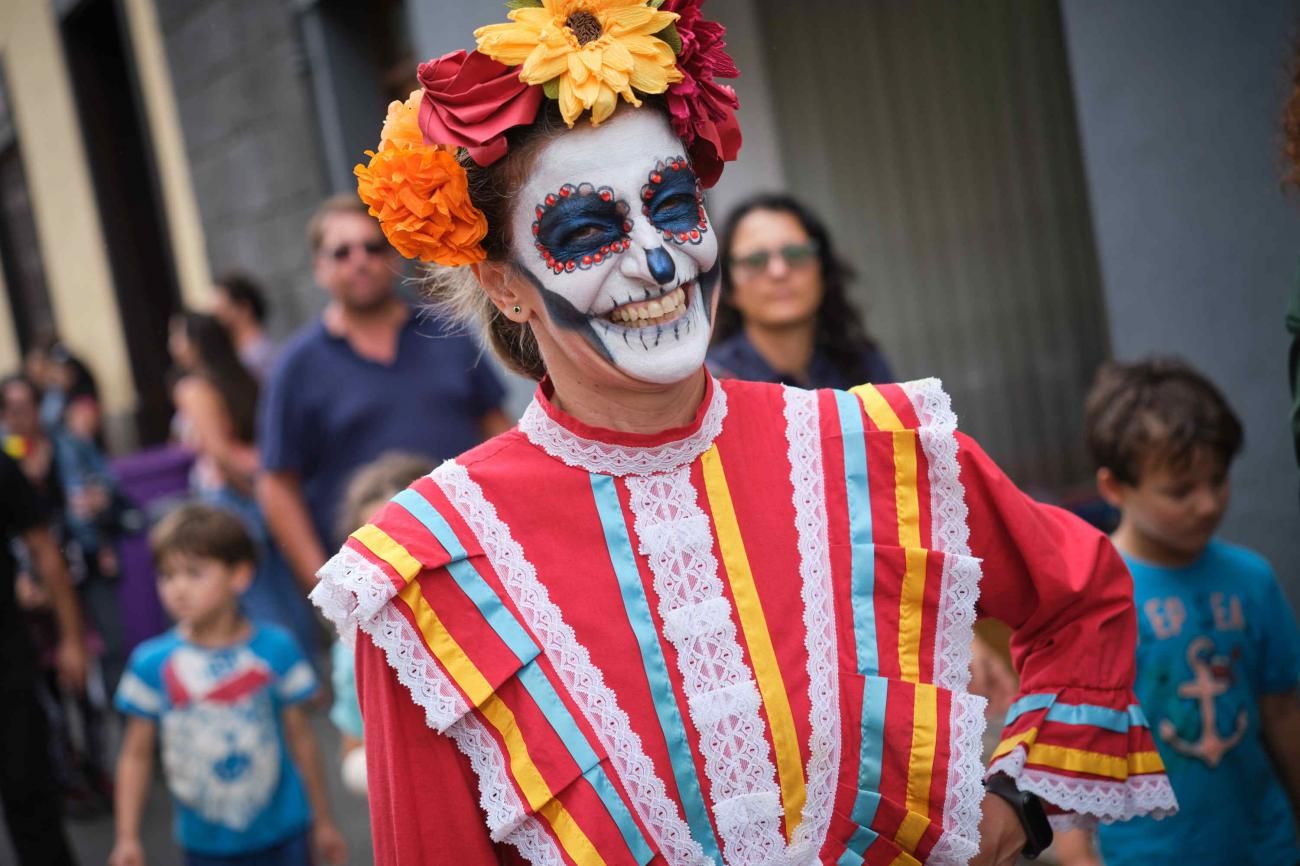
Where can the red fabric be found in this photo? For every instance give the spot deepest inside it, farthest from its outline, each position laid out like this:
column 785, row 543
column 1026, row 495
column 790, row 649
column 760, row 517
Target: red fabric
column 423, row 794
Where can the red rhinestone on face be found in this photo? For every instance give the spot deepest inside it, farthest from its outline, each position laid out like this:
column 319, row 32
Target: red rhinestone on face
column 557, row 268
column 565, row 191
column 550, row 199
column 536, row 229
column 586, row 260
column 695, row 234
column 597, row 258
column 570, row 265
column 656, row 177
column 606, row 195
column 647, row 194
column 540, row 211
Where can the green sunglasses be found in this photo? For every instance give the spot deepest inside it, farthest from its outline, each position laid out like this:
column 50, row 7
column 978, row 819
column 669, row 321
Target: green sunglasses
column 794, row 255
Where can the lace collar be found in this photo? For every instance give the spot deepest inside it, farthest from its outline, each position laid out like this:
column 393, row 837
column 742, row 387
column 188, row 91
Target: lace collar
column 609, row 452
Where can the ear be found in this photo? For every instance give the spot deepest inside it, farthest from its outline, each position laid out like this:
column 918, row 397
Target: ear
column 241, row 576
column 1112, row 490
column 505, row 289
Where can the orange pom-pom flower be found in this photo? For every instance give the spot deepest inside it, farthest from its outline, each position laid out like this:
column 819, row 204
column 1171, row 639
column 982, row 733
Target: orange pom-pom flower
column 420, row 193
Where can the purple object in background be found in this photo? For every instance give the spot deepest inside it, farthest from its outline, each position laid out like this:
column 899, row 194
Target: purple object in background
column 149, row 478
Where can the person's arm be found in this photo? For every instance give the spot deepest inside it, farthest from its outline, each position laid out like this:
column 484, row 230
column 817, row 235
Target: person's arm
column 213, row 431
column 1279, row 716
column 326, row 838
column 134, row 770
column 52, row 568
column 402, row 754
column 1074, row 848
column 1075, row 736
column 280, row 496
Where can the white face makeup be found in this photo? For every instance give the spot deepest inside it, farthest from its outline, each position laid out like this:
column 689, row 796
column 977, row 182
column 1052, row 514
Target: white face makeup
column 610, row 228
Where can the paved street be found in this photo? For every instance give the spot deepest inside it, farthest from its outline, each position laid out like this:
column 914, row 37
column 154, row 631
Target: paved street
column 93, row 840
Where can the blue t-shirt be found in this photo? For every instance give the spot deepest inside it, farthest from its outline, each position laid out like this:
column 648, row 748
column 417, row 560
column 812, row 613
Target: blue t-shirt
column 327, row 411
column 223, row 748
column 1213, row 637
column 736, row 358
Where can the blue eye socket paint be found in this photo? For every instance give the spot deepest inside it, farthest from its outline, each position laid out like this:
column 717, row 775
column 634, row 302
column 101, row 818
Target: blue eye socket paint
column 671, row 200
column 580, row 227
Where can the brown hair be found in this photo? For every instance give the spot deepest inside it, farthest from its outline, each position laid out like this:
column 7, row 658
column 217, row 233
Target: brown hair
column 203, row 531
column 344, row 202
column 1158, row 409
column 381, row 478
column 493, row 189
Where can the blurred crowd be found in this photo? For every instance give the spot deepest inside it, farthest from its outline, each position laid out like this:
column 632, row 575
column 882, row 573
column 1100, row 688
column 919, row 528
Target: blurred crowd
column 289, row 448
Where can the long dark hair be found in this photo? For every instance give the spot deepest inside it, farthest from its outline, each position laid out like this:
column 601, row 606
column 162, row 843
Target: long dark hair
column 841, row 334
column 219, row 364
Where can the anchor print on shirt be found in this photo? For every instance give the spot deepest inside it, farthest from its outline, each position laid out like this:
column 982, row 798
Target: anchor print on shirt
column 1211, row 677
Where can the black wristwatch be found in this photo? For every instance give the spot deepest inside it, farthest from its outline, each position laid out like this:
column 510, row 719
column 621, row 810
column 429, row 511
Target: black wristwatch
column 1038, row 832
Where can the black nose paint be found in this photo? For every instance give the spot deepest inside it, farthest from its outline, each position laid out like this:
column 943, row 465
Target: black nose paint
column 661, row 265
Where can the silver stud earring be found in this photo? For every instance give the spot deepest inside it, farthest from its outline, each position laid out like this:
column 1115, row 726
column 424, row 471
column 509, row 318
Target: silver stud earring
column 517, row 309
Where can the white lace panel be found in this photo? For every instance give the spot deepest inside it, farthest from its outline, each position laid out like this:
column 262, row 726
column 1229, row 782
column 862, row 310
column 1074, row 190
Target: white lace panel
column 950, row 535
column 722, row 697
column 1106, row 800
column 803, row 437
column 603, row 458
column 581, row 677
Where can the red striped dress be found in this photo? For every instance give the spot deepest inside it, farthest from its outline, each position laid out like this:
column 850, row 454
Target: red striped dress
column 743, row 641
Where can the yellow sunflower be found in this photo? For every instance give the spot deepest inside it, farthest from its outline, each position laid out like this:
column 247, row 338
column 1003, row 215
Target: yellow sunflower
column 595, row 51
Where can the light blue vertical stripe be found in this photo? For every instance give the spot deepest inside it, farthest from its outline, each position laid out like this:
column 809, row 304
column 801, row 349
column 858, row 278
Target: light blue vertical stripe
column 534, row 679
column 863, row 555
column 637, row 607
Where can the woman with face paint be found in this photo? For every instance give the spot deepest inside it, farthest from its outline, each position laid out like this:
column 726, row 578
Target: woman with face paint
column 785, row 314
column 673, row 620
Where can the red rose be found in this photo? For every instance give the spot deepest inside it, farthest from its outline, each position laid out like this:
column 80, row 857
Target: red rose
column 471, row 100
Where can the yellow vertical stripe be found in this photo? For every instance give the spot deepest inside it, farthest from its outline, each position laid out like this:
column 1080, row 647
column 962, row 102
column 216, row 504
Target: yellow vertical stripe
column 908, row 499
column 771, row 685
column 382, row 545
column 910, row 831
column 480, row 692
column 911, row 609
column 925, row 738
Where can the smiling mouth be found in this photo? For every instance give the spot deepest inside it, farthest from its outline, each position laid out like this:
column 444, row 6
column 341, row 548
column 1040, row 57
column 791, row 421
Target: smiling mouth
column 666, row 308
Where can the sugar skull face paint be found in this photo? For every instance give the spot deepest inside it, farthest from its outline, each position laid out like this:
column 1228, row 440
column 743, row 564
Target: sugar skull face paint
column 611, row 230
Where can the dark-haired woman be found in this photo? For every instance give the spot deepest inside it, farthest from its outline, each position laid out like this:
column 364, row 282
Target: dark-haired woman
column 216, row 399
column 785, row 315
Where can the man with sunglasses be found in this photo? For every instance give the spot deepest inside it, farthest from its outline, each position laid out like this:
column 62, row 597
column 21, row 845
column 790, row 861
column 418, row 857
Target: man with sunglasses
column 369, row 376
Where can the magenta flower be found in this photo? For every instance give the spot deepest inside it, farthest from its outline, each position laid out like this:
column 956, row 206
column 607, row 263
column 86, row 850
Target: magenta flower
column 702, row 110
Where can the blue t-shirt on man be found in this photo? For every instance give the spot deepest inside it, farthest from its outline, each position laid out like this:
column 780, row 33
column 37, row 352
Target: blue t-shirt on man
column 1213, row 637
column 223, row 749
column 328, row 411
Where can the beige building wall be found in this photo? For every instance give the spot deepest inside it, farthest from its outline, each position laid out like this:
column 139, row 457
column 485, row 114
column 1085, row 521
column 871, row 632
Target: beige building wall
column 63, row 201
column 183, row 223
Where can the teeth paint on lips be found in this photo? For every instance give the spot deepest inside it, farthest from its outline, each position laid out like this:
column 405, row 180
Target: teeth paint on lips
column 653, row 312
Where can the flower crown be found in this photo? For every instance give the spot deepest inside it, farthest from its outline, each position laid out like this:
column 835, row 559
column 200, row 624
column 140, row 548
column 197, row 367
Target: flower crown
column 585, row 54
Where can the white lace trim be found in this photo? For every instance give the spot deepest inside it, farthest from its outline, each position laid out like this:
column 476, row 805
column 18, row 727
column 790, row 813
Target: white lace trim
column 675, row 536
column 592, row 455
column 581, row 677
column 344, row 581
column 950, row 535
column 1092, row 799
column 351, row 590
column 807, row 480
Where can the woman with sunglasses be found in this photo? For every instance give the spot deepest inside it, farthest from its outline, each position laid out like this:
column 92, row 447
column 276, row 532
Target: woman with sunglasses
column 785, row 315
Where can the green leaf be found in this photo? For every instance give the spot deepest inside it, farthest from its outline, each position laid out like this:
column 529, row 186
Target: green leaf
column 522, row 4
column 669, row 34
column 552, row 88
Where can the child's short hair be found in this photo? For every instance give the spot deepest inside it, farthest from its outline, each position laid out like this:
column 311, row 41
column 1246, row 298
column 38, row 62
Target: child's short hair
column 203, row 531
column 385, row 476
column 1157, row 409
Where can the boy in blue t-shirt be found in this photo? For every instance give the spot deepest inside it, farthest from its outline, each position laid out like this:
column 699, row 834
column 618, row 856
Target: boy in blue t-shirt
column 224, row 697
column 1218, row 655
